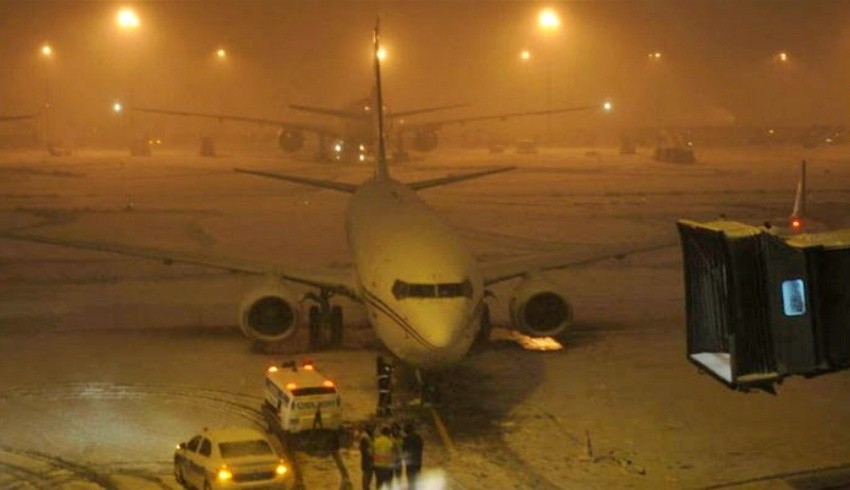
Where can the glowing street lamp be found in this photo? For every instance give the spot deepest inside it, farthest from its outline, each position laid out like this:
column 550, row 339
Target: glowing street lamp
column 607, row 106
column 525, row 55
column 782, row 57
column 127, row 19
column 548, row 20
column 655, row 56
column 46, row 50
column 117, row 107
column 221, row 54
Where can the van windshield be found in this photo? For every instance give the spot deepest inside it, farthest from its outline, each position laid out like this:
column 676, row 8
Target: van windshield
column 316, row 390
column 239, row 449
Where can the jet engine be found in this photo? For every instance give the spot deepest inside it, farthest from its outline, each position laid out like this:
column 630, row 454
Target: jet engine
column 537, row 310
column 425, row 140
column 290, row 140
column 269, row 313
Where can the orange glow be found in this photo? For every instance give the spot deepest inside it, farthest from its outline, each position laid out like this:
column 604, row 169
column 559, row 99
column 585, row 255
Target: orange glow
column 548, row 20
column 308, row 365
column 796, row 223
column 291, row 386
column 46, row 50
column 281, row 469
column 783, row 56
column 525, row 55
column 272, row 369
column 382, row 53
column 127, row 18
column 221, row 53
column 328, row 383
column 224, row 473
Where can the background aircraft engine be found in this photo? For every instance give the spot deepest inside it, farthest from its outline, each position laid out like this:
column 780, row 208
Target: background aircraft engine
column 290, row 140
column 537, row 310
column 425, row 140
column 269, row 313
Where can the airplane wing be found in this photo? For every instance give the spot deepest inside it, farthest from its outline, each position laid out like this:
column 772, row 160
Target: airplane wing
column 503, row 270
column 338, row 279
column 413, row 112
column 298, row 126
column 361, row 115
column 18, row 118
column 431, row 125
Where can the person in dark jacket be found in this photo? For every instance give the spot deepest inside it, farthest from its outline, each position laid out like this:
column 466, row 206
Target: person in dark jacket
column 411, row 448
column 367, row 461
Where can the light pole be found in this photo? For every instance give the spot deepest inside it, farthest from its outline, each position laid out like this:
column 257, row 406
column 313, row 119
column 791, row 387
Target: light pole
column 549, row 23
column 47, row 54
column 128, row 22
column 221, row 58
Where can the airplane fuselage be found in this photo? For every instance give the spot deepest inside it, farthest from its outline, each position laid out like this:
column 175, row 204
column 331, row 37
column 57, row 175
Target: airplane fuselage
column 422, row 289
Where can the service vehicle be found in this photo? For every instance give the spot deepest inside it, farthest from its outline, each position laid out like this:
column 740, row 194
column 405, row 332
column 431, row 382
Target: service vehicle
column 301, row 399
column 229, row 458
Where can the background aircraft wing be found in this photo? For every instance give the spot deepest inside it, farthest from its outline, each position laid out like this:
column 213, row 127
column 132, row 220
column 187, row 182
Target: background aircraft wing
column 463, row 120
column 17, row 118
column 503, row 270
column 290, row 125
column 339, row 279
column 451, row 179
column 413, row 112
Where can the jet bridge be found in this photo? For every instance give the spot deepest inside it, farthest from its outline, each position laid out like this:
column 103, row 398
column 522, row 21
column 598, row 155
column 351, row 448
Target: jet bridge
column 761, row 307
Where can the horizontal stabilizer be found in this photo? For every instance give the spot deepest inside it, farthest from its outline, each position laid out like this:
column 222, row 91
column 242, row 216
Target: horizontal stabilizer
column 451, row 179
column 324, row 184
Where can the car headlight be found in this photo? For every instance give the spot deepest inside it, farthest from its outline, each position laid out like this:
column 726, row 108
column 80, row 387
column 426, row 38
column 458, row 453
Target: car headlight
column 281, row 469
column 224, row 473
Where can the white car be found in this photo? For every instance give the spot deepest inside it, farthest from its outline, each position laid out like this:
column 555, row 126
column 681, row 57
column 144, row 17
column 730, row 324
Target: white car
column 232, row 457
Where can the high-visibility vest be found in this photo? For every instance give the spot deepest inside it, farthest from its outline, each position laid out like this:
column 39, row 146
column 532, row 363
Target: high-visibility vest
column 384, row 454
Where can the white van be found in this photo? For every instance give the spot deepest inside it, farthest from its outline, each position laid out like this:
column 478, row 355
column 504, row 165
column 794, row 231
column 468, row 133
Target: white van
column 301, row 398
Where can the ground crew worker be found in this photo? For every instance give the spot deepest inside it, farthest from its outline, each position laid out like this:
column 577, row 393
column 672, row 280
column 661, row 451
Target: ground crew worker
column 367, row 463
column 383, row 457
column 412, row 449
column 395, row 434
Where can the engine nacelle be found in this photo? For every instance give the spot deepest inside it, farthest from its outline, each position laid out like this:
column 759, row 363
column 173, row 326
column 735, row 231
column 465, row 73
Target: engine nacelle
column 425, row 140
column 537, row 310
column 290, row 140
column 269, row 313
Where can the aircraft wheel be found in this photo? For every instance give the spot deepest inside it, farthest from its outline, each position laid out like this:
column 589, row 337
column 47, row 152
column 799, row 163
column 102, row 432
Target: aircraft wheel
column 336, row 325
column 315, row 326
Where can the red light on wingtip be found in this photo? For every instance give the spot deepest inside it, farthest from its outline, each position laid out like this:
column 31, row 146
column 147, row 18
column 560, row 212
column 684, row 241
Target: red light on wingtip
column 796, row 223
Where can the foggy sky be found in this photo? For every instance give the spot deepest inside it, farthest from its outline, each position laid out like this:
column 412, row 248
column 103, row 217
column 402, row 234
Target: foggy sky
column 718, row 57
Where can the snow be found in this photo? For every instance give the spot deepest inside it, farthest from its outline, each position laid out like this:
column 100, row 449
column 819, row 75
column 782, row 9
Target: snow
column 109, row 361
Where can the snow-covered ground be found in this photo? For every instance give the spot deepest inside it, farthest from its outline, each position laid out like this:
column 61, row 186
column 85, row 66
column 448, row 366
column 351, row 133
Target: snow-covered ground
column 106, row 361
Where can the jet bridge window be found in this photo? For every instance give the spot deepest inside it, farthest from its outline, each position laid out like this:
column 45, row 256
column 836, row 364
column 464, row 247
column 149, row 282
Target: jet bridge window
column 402, row 290
column 793, row 297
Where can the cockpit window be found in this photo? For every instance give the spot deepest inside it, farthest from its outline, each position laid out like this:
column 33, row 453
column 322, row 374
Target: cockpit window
column 402, row 290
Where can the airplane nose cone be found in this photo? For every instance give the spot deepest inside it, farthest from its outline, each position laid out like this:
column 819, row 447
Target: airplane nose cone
column 441, row 326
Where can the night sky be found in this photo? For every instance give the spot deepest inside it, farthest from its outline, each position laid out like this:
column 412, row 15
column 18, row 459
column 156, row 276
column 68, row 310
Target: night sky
column 719, row 60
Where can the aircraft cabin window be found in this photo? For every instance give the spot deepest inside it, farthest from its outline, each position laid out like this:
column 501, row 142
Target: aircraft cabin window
column 402, row 290
column 794, row 297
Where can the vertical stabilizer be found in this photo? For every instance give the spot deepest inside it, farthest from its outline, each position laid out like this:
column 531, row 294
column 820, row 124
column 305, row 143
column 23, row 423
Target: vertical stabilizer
column 381, row 172
column 797, row 218
column 799, row 210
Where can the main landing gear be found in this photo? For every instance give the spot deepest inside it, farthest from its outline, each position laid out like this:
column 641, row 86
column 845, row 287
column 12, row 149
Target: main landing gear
column 324, row 321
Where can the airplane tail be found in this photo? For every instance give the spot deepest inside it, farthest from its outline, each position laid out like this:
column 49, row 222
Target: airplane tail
column 799, row 211
column 381, row 171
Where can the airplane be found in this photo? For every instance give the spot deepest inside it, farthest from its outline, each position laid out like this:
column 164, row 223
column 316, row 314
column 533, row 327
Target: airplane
column 352, row 138
column 423, row 291
column 17, row 118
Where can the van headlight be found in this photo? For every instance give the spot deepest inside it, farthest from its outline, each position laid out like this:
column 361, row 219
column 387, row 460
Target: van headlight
column 224, row 473
column 281, row 469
